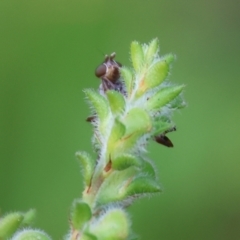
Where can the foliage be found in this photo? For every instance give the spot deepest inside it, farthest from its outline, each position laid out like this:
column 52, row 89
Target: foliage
column 127, row 113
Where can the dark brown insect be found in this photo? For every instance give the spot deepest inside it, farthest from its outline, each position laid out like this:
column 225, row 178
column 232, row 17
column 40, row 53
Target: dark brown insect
column 163, row 139
column 109, row 73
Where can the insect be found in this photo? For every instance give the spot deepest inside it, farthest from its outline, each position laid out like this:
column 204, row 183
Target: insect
column 163, row 139
column 109, row 73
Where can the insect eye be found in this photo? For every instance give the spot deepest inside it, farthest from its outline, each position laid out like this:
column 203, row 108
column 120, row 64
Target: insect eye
column 100, row 70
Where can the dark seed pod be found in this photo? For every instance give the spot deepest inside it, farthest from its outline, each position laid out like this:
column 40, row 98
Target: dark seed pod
column 91, row 119
column 163, row 139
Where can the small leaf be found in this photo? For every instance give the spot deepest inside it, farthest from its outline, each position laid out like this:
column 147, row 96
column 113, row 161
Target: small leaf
column 161, row 126
column 118, row 130
column 116, row 101
column 163, row 97
column 137, row 55
column 113, row 188
column 30, row 234
column 155, row 75
column 29, row 217
column 88, row 164
column 151, row 51
column 80, row 214
column 169, row 58
column 113, row 225
column 98, row 102
column 177, row 103
column 142, row 185
column 127, row 78
column 148, row 168
column 137, row 122
column 125, row 161
column 9, row 224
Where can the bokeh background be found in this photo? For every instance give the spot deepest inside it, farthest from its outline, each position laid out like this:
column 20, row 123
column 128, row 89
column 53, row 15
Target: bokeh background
column 48, row 52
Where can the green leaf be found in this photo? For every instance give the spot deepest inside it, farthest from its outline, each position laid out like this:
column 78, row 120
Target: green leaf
column 127, row 75
column 118, row 130
column 137, row 55
column 30, row 234
column 9, row 224
column 137, row 122
column 125, row 161
column 29, row 217
column 148, row 168
column 113, row 188
column 155, row 75
column 163, row 97
column 161, row 126
column 169, row 58
column 152, row 50
column 88, row 165
column 116, row 101
column 80, row 214
column 177, row 103
column 113, row 225
column 142, row 185
column 99, row 103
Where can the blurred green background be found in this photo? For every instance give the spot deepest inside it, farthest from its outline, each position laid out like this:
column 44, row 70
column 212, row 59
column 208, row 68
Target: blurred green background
column 48, row 52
